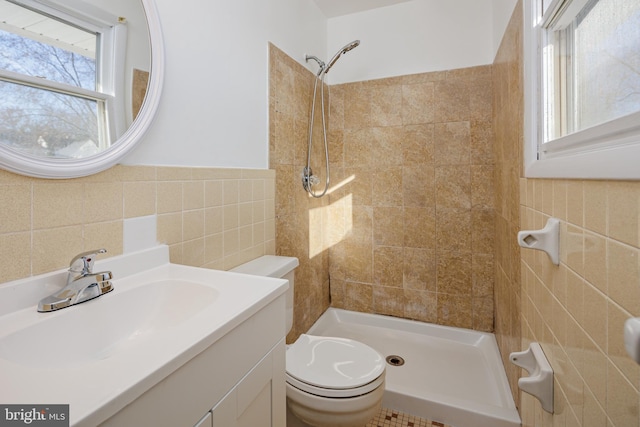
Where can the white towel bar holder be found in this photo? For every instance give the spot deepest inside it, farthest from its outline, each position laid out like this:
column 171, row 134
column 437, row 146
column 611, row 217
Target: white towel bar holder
column 539, row 383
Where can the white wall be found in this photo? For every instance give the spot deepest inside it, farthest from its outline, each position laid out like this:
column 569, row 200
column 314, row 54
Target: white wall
column 214, row 106
column 416, row 37
column 502, row 11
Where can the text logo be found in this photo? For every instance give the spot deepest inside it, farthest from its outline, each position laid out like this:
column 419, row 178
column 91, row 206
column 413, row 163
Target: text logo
column 34, row 415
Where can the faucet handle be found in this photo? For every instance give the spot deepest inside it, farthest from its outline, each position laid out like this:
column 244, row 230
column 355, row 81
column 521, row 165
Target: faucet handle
column 83, row 262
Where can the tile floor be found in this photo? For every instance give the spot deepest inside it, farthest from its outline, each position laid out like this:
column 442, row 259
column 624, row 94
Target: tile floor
column 390, row 418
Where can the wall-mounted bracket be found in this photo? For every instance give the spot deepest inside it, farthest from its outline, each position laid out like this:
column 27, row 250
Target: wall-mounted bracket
column 547, row 239
column 539, row 383
column 632, row 338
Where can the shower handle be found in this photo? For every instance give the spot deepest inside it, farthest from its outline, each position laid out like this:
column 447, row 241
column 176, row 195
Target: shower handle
column 308, row 178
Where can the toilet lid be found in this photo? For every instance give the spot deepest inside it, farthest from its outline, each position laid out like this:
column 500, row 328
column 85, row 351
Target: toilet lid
column 333, row 363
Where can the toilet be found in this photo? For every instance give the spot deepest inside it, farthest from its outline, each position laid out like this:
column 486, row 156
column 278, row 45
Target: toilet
column 331, row 382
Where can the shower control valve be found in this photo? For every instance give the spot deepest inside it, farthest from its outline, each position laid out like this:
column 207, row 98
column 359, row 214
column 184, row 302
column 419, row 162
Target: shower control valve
column 308, row 179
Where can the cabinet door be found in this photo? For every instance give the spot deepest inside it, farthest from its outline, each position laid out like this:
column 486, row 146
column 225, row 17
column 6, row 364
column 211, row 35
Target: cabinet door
column 227, row 413
column 258, row 400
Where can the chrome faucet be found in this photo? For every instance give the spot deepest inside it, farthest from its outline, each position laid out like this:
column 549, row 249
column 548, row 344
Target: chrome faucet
column 82, row 284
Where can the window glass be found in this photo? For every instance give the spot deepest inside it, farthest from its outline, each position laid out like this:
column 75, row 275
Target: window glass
column 25, row 56
column 41, row 46
column 607, row 50
column 44, row 123
column 51, row 99
column 592, row 65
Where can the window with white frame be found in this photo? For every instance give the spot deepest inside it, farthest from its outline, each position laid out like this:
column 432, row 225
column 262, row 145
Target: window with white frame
column 58, row 80
column 583, row 88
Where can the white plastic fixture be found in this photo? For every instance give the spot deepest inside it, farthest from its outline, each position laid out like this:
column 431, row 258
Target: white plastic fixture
column 547, row 239
column 539, row 383
column 632, row 338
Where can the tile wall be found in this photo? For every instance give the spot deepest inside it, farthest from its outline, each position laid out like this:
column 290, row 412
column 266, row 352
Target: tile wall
column 216, row 218
column 412, row 213
column 575, row 310
column 300, row 219
column 408, row 227
column 508, row 117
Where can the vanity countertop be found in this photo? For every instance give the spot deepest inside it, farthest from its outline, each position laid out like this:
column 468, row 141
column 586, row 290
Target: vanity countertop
column 101, row 355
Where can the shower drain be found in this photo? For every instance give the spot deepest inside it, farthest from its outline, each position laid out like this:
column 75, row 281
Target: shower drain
column 395, row 360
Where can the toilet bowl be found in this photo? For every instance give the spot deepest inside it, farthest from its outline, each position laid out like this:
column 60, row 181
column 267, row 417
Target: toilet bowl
column 331, row 382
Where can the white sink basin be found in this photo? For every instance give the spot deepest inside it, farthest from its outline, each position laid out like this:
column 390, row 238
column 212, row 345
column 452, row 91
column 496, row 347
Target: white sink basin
column 101, row 355
column 99, row 329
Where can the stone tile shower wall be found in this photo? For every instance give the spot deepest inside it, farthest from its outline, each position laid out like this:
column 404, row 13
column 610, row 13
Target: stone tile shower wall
column 508, row 115
column 300, row 219
column 411, row 214
column 408, row 227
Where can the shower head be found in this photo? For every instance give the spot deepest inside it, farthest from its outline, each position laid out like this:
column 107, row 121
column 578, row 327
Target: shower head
column 341, row 52
column 354, row 44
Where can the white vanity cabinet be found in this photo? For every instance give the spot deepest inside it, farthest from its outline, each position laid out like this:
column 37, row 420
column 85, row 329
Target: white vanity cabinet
column 238, row 381
column 251, row 402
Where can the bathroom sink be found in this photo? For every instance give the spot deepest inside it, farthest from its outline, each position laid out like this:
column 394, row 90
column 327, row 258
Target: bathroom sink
column 100, row 355
column 99, row 328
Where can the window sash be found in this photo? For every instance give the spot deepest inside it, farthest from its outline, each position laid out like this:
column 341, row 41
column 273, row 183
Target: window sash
column 612, row 159
column 556, row 65
column 53, row 86
column 110, row 57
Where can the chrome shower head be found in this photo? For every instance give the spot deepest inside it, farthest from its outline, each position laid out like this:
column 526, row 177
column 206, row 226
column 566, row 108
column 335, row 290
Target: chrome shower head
column 341, row 52
column 354, row 44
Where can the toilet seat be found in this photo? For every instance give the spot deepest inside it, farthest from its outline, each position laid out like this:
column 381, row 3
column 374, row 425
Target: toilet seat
column 333, row 367
column 335, row 393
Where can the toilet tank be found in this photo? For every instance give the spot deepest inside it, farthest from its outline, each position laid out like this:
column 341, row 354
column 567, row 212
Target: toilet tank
column 279, row 267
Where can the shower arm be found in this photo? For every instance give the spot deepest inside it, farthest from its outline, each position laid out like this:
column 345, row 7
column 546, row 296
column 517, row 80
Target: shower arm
column 321, row 63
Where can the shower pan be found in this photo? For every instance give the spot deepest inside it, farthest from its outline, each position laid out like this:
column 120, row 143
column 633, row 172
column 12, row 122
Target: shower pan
column 309, row 180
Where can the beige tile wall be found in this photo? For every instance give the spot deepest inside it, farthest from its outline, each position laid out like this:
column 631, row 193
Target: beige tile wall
column 575, row 310
column 508, row 130
column 407, row 229
column 413, row 205
column 300, row 219
column 216, row 218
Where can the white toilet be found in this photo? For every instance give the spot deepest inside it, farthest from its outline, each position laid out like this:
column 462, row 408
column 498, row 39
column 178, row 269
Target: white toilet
column 331, row 382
